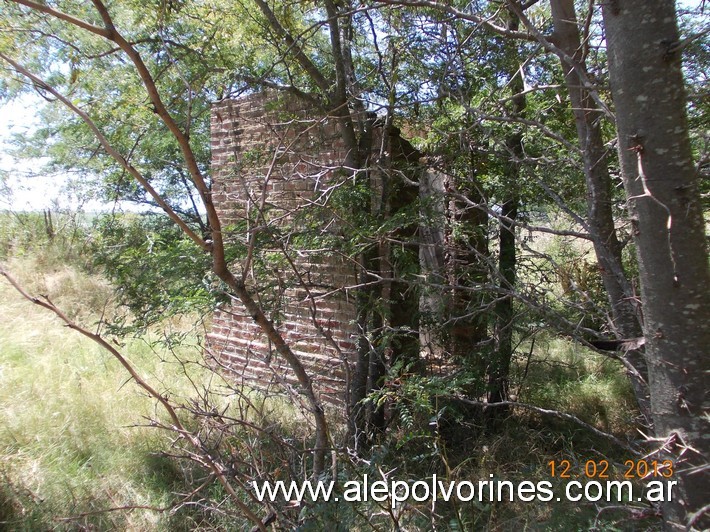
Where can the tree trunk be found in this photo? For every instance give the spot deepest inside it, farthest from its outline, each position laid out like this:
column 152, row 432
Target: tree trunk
column 587, row 117
column 432, row 262
column 499, row 370
column 465, row 266
column 661, row 183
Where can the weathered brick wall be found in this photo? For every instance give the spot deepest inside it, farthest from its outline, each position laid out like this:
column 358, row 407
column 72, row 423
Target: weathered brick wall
column 269, row 160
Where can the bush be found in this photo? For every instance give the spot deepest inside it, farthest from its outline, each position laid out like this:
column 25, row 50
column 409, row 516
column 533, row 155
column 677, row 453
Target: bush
column 157, row 271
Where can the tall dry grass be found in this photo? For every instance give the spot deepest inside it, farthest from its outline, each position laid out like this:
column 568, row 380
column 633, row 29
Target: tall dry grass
column 73, row 440
column 74, row 445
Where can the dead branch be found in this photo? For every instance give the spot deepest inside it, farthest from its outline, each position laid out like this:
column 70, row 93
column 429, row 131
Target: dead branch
column 553, row 413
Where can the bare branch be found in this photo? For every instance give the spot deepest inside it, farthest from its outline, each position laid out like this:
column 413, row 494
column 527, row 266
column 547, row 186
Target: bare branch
column 219, row 262
column 298, row 53
column 553, row 413
column 177, row 426
column 550, row 46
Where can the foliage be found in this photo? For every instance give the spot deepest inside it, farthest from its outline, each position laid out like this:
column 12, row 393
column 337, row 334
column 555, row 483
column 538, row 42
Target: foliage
column 487, row 106
column 74, row 446
column 156, row 271
column 696, row 63
column 581, row 294
column 60, row 235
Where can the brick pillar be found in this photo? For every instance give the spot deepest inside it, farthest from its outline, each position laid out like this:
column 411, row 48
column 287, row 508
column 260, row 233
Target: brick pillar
column 270, row 158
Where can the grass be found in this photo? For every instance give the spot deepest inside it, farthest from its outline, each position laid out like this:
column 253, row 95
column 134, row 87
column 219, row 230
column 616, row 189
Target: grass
column 69, row 441
column 75, row 440
column 570, row 378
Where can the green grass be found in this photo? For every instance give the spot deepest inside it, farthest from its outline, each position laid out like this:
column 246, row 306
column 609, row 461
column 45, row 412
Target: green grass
column 68, row 440
column 570, row 378
column 73, row 442
column 74, row 438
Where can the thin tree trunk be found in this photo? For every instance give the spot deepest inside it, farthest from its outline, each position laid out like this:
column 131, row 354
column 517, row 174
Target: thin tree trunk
column 587, row 117
column 499, row 371
column 661, row 183
column 48, row 224
column 466, row 266
column 339, row 94
column 357, row 424
column 432, row 301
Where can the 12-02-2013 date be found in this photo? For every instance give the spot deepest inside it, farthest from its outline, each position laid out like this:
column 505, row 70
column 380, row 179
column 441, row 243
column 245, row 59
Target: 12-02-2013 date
column 631, row 469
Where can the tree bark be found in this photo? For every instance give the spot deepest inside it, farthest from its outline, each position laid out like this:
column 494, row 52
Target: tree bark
column 661, row 183
column 499, row 371
column 432, row 263
column 587, row 117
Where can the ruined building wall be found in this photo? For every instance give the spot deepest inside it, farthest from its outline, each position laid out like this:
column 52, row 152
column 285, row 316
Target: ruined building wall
column 269, row 159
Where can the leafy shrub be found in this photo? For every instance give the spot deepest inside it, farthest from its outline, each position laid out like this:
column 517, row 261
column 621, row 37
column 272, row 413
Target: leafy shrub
column 156, row 270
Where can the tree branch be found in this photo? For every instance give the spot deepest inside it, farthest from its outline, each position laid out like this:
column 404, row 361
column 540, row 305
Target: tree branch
column 462, row 15
column 103, row 32
column 298, row 53
column 553, row 413
column 177, row 425
column 117, row 156
column 219, row 262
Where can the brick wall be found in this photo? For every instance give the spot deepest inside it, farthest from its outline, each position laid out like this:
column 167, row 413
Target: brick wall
column 270, row 158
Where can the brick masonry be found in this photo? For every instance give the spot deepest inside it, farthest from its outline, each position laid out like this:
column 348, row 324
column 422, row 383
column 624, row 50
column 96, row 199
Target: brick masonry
column 270, row 159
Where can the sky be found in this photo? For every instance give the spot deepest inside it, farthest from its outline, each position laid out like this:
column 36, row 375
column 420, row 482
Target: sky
column 33, row 188
column 18, row 117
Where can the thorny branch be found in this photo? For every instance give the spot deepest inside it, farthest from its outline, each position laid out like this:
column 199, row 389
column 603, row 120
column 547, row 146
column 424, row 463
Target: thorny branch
column 638, row 149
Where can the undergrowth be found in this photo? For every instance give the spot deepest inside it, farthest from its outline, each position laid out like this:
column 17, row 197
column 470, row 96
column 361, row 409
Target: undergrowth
column 79, row 449
column 71, row 440
column 74, row 440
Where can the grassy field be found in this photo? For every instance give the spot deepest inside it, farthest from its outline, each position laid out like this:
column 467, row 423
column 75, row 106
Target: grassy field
column 73, row 440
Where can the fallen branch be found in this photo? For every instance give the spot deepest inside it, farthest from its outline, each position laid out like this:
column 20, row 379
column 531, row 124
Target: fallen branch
column 552, row 413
